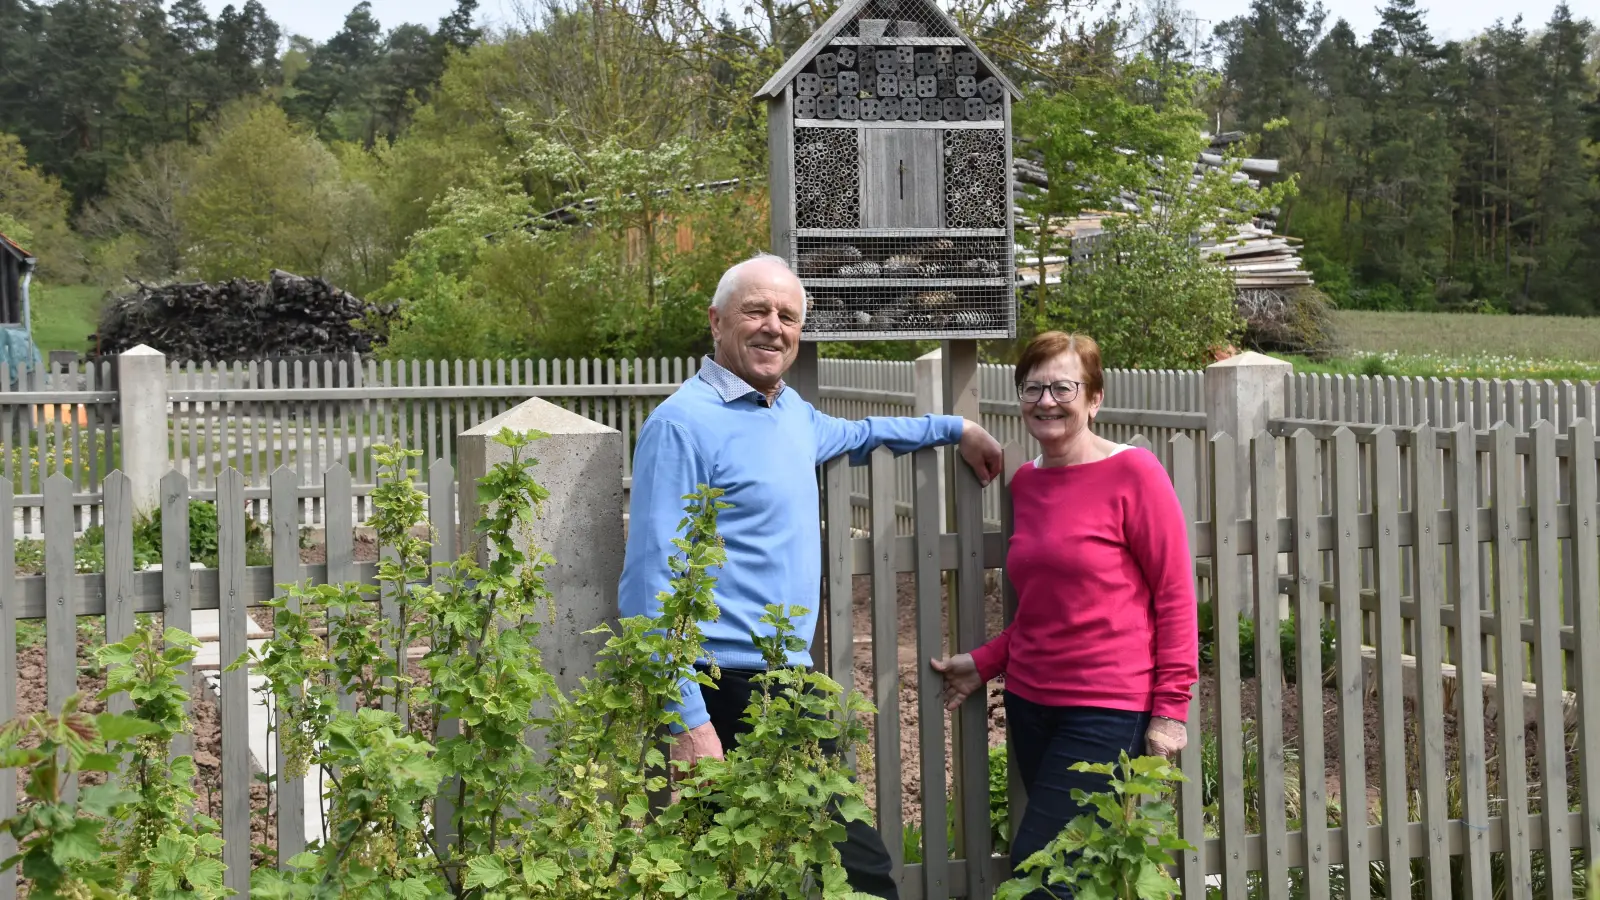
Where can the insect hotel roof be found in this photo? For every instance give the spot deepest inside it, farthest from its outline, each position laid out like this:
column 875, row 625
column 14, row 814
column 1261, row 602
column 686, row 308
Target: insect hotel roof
column 890, row 157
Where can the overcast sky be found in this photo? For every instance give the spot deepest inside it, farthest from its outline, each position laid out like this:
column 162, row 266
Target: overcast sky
column 1448, row 19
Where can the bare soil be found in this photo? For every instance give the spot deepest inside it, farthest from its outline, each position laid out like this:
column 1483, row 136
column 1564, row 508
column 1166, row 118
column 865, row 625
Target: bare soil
column 207, row 735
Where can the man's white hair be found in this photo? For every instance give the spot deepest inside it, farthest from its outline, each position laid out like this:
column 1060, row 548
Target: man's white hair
column 728, row 286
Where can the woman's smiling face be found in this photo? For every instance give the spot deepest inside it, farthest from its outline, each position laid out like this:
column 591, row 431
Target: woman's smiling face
column 1051, row 421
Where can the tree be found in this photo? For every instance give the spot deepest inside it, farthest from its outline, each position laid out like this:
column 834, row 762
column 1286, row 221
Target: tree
column 36, row 202
column 1155, row 298
column 264, row 194
column 1095, row 144
column 141, row 207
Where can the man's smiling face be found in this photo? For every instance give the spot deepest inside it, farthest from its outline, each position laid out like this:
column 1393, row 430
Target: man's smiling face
column 757, row 333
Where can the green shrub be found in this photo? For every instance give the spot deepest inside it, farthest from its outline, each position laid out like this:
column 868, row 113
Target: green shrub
column 1121, row 851
column 1288, row 644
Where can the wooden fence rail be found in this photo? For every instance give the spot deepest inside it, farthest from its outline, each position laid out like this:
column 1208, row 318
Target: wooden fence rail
column 1416, row 563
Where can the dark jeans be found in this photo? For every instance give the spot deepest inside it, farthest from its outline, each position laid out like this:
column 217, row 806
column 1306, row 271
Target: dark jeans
column 1047, row 741
column 866, row 863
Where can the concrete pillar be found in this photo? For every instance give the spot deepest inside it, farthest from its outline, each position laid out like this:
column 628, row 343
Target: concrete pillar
column 1243, row 394
column 142, row 410
column 580, row 464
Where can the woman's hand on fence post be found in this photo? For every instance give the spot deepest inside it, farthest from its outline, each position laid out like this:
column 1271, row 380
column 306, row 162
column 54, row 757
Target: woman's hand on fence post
column 961, row 678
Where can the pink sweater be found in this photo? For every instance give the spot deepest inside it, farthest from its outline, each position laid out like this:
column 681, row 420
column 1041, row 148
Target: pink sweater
column 1105, row 589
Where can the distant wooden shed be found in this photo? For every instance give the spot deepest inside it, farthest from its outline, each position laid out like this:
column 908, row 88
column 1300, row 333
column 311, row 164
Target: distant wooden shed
column 15, row 262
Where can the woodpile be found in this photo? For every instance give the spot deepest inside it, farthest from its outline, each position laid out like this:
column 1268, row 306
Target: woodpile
column 1259, row 258
column 241, row 319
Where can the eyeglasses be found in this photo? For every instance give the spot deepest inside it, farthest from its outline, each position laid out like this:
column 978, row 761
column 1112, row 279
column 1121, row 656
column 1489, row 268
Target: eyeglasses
column 1064, row 391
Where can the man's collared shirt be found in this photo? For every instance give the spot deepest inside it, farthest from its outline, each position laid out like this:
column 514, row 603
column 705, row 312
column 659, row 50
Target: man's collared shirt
column 729, row 386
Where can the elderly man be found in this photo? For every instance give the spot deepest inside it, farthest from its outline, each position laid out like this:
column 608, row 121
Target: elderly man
column 735, row 426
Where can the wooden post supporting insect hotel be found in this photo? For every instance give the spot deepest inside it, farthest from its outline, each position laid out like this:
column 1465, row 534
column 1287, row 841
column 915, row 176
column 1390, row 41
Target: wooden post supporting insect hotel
column 889, row 138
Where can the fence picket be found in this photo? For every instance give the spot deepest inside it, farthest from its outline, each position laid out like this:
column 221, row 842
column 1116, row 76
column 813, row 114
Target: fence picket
column 1305, row 473
column 1465, row 588
column 284, row 502
column 1508, row 613
column 1191, row 793
column 1430, row 700
column 235, row 694
column 338, row 535
column 886, row 655
column 8, row 663
column 442, row 518
column 1391, row 691
column 1352, row 695
column 61, row 632
column 118, row 556
column 836, row 497
column 1273, row 815
column 1544, row 560
column 1586, row 578
column 175, row 581
column 929, row 512
column 1225, row 603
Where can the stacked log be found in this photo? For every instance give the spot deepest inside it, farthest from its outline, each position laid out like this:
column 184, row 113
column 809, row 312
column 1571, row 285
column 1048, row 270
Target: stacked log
column 241, row 319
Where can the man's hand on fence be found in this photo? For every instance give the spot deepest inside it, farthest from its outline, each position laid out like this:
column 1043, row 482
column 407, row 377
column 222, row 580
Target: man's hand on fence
column 689, row 746
column 982, row 452
column 961, row 678
column 1165, row 737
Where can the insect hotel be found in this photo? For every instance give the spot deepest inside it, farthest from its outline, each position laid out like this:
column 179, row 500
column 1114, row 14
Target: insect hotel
column 890, row 151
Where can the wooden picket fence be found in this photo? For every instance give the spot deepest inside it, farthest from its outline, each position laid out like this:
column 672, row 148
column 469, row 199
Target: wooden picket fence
column 1430, row 566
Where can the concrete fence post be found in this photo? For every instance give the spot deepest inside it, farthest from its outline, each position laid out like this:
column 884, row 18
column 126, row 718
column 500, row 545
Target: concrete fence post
column 580, row 464
column 1244, row 394
column 142, row 411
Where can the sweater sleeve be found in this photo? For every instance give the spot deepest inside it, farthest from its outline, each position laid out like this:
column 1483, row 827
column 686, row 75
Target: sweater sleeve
column 667, row 467
column 1159, row 539
column 902, row 434
column 991, row 658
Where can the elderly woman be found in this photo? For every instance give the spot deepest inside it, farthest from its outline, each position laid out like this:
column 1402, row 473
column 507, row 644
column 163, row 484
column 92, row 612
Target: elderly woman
column 1103, row 652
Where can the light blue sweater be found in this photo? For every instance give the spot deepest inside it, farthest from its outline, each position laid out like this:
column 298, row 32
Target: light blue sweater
column 717, row 430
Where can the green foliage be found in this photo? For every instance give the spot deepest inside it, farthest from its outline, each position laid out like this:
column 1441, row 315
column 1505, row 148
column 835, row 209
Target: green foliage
column 166, row 851
column 266, row 195
column 1156, row 302
column 137, row 835
column 1288, row 644
column 627, row 269
column 1155, row 299
column 1122, row 850
column 759, row 823
column 1411, row 200
column 35, row 212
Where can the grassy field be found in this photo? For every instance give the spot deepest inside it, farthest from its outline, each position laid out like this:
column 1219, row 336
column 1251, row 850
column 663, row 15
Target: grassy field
column 1461, row 345
column 64, row 316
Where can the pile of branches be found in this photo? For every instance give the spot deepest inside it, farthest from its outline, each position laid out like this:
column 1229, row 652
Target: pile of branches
column 240, row 319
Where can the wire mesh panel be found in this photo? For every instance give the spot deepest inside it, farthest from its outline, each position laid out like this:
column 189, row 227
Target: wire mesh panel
column 898, row 18
column 911, row 255
column 902, row 309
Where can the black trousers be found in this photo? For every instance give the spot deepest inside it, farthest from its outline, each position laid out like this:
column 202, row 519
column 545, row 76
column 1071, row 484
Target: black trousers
column 1047, row 741
column 866, row 863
